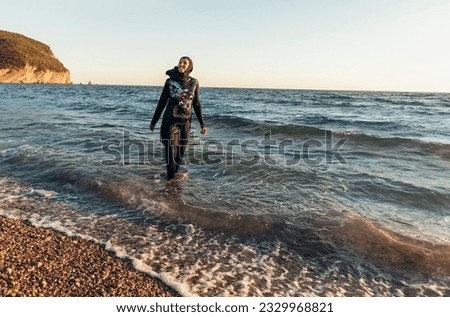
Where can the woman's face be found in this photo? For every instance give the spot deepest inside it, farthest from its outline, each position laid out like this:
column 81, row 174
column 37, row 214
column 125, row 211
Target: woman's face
column 183, row 65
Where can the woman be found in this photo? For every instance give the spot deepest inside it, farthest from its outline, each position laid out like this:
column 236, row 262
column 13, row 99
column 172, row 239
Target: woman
column 180, row 94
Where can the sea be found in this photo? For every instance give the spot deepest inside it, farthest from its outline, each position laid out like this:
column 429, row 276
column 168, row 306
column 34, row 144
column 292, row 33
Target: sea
column 290, row 193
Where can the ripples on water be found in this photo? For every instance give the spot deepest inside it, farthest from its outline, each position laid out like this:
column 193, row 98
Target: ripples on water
column 377, row 225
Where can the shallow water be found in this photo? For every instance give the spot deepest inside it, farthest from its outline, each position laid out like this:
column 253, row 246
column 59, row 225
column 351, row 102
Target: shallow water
column 291, row 193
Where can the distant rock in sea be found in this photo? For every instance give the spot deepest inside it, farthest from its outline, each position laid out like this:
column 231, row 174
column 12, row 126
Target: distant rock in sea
column 24, row 60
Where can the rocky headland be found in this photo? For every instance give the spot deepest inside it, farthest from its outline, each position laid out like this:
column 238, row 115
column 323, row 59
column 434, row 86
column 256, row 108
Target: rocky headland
column 24, row 60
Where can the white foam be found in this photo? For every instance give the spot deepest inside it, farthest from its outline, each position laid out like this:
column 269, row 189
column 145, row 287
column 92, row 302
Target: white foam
column 10, row 198
column 139, row 265
column 45, row 193
column 57, row 226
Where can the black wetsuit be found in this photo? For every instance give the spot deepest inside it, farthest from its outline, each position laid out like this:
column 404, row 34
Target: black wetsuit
column 180, row 94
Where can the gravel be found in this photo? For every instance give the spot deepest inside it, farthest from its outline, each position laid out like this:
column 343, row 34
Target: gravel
column 43, row 262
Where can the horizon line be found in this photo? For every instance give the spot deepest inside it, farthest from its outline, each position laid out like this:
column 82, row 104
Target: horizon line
column 234, row 87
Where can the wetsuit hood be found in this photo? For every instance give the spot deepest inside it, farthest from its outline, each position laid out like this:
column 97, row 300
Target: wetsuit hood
column 176, row 75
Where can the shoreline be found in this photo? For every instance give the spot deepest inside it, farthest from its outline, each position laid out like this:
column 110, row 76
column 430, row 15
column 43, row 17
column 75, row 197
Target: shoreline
column 43, row 262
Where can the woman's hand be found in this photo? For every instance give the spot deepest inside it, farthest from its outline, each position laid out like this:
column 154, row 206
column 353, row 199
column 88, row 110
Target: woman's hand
column 152, row 127
column 204, row 130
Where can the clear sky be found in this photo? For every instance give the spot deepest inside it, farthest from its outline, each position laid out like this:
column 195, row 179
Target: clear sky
column 322, row 44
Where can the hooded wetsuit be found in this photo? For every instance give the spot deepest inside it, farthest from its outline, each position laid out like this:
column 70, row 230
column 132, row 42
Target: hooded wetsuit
column 180, row 94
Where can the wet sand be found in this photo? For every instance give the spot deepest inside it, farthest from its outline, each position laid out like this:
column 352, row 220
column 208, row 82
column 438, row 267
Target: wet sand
column 43, row 262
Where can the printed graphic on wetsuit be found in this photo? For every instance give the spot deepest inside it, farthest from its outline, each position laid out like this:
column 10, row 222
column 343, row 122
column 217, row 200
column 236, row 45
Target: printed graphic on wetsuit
column 185, row 98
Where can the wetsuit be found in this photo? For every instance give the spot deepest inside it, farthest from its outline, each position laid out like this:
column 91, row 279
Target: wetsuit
column 180, row 94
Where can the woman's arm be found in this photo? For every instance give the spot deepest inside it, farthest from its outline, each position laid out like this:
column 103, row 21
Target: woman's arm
column 198, row 109
column 161, row 105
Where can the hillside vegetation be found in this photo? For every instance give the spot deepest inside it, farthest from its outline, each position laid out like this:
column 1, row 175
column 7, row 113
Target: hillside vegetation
column 17, row 51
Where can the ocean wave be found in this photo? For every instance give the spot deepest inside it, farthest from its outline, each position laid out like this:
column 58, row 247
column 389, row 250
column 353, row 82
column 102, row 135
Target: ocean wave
column 261, row 127
column 304, row 131
column 337, row 230
column 348, row 122
column 390, row 249
column 336, row 250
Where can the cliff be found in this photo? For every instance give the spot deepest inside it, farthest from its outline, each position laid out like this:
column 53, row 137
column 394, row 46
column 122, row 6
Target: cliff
column 24, row 60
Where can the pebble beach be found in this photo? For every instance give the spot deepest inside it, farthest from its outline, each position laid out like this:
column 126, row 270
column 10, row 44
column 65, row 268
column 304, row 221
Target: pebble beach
column 43, row 262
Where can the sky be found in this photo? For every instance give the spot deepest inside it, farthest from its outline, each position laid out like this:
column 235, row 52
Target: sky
column 375, row 45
